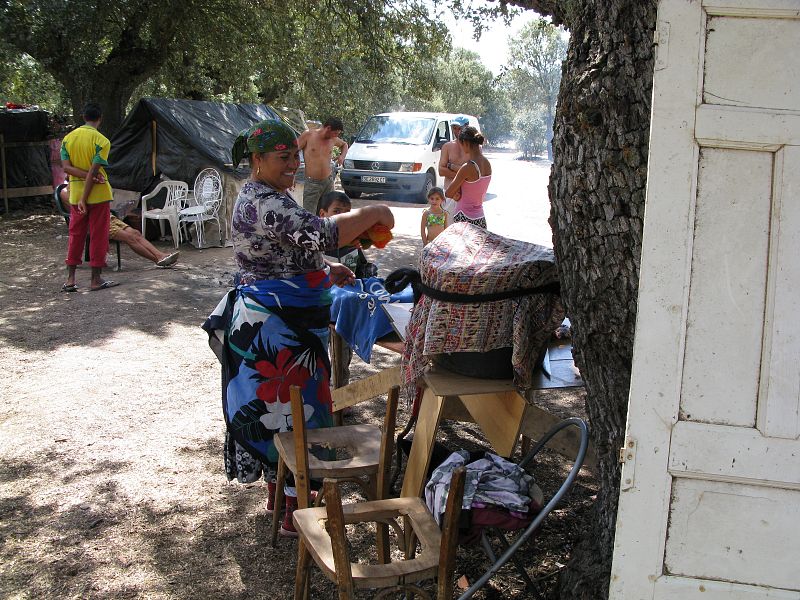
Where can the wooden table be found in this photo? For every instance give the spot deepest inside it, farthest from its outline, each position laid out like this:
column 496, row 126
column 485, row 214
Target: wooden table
column 502, row 413
column 496, row 405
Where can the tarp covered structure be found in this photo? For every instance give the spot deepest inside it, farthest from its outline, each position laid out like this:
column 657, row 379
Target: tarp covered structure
column 178, row 138
column 24, row 153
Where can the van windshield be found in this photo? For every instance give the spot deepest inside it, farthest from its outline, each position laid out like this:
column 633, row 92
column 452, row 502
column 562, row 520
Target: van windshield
column 396, row 129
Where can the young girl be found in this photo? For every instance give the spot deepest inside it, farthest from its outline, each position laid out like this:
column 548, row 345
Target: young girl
column 434, row 218
column 337, row 203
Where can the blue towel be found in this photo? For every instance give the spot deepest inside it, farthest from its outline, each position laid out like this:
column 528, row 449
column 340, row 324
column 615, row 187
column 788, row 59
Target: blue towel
column 359, row 318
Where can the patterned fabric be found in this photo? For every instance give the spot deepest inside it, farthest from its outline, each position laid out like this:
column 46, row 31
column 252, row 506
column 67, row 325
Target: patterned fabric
column 84, row 147
column 460, row 217
column 490, row 481
column 265, row 136
column 470, row 260
column 434, row 219
column 275, row 238
column 263, row 353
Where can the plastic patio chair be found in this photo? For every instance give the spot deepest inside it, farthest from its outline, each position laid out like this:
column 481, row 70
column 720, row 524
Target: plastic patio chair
column 66, row 215
column 533, row 526
column 204, row 204
column 177, row 192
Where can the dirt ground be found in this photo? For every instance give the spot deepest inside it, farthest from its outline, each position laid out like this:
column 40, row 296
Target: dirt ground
column 111, row 478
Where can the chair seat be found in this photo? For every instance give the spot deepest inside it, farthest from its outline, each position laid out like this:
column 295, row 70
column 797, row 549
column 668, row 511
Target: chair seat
column 310, row 523
column 361, row 442
column 192, row 211
column 158, row 213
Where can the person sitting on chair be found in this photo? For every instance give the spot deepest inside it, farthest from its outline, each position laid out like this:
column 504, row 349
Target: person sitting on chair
column 120, row 231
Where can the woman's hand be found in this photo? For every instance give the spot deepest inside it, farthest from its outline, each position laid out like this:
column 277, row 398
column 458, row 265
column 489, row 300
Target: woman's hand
column 341, row 275
column 352, row 224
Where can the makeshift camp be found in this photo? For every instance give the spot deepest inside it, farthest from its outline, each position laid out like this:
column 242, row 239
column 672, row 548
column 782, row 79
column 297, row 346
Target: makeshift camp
column 176, row 139
column 24, row 154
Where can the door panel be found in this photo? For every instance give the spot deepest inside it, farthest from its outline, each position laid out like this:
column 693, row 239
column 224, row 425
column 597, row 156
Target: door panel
column 726, row 299
column 742, row 70
column 710, row 506
column 704, row 542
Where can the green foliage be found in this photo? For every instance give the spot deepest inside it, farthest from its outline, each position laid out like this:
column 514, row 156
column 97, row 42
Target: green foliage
column 530, row 130
column 23, row 81
column 533, row 74
column 328, row 58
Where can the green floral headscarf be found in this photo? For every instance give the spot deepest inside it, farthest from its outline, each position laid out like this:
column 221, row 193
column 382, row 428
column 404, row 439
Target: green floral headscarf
column 265, row 136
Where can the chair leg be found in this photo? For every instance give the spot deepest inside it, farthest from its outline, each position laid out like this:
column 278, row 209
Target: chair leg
column 301, row 580
column 119, row 257
column 176, row 232
column 280, row 481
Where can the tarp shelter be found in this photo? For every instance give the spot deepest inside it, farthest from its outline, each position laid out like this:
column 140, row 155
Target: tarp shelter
column 178, row 139
column 24, row 154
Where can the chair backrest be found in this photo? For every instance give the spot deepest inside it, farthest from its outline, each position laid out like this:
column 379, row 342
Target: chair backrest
column 301, row 477
column 177, row 192
column 62, row 210
column 447, row 549
column 208, row 189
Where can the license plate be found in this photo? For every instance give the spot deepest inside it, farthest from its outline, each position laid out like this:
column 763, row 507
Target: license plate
column 372, row 179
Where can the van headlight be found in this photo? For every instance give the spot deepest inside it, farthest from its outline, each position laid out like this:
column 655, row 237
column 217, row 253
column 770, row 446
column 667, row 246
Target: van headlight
column 348, row 164
column 410, row 167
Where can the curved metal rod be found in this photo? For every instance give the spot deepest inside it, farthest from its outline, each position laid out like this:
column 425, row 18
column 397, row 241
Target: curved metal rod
column 562, row 491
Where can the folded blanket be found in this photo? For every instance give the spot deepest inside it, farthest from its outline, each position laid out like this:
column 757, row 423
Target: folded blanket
column 356, row 311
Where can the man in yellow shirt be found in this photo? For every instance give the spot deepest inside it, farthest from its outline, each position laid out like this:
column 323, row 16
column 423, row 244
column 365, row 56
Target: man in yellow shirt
column 84, row 153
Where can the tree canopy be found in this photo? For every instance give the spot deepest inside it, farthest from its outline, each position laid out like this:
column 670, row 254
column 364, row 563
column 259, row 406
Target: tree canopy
column 325, row 58
column 265, row 50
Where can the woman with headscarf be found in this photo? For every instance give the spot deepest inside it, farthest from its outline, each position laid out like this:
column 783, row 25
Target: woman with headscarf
column 271, row 331
column 469, row 186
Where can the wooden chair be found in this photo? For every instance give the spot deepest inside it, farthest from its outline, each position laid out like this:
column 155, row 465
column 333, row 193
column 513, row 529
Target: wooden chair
column 363, row 444
column 322, row 538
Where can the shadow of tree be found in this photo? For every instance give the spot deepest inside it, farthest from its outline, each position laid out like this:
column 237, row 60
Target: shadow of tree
column 149, row 299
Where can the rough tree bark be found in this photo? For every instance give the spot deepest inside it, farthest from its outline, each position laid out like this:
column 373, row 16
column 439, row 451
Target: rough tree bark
column 597, row 191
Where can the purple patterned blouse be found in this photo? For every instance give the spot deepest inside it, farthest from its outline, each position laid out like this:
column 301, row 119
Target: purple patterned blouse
column 274, row 238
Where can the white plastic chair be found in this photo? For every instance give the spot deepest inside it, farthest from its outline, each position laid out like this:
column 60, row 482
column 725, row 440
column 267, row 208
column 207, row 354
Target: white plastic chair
column 177, row 191
column 205, row 201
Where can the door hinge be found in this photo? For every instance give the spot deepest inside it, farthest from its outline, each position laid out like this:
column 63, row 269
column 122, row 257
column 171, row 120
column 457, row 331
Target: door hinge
column 627, row 456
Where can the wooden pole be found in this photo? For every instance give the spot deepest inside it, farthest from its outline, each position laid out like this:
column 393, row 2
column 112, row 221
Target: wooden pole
column 153, row 126
column 3, row 161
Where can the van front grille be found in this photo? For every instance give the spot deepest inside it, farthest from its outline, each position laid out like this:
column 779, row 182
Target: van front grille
column 367, row 165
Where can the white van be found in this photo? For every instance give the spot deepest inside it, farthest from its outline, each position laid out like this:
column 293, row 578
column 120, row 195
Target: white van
column 398, row 153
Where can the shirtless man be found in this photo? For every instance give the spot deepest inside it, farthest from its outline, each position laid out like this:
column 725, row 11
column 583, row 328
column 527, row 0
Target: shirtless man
column 317, row 145
column 451, row 159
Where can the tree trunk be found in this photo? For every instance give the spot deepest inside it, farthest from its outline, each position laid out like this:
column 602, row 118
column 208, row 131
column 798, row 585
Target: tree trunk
column 597, row 191
column 111, row 94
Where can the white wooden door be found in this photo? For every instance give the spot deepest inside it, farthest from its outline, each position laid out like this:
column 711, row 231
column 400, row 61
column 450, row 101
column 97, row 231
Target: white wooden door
column 710, row 500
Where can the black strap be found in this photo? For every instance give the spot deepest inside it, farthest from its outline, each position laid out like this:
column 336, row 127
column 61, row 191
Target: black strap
column 398, row 280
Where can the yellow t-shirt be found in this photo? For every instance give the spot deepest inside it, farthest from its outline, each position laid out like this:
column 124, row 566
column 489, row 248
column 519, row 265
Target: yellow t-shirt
column 84, row 147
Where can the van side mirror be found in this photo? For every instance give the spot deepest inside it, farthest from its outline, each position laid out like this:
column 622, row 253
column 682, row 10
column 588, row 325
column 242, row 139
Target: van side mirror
column 351, row 140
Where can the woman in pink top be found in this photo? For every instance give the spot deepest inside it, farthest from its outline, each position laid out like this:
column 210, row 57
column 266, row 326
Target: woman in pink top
column 472, row 180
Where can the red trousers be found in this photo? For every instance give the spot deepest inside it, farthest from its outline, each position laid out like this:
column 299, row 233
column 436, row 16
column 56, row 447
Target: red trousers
column 95, row 222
